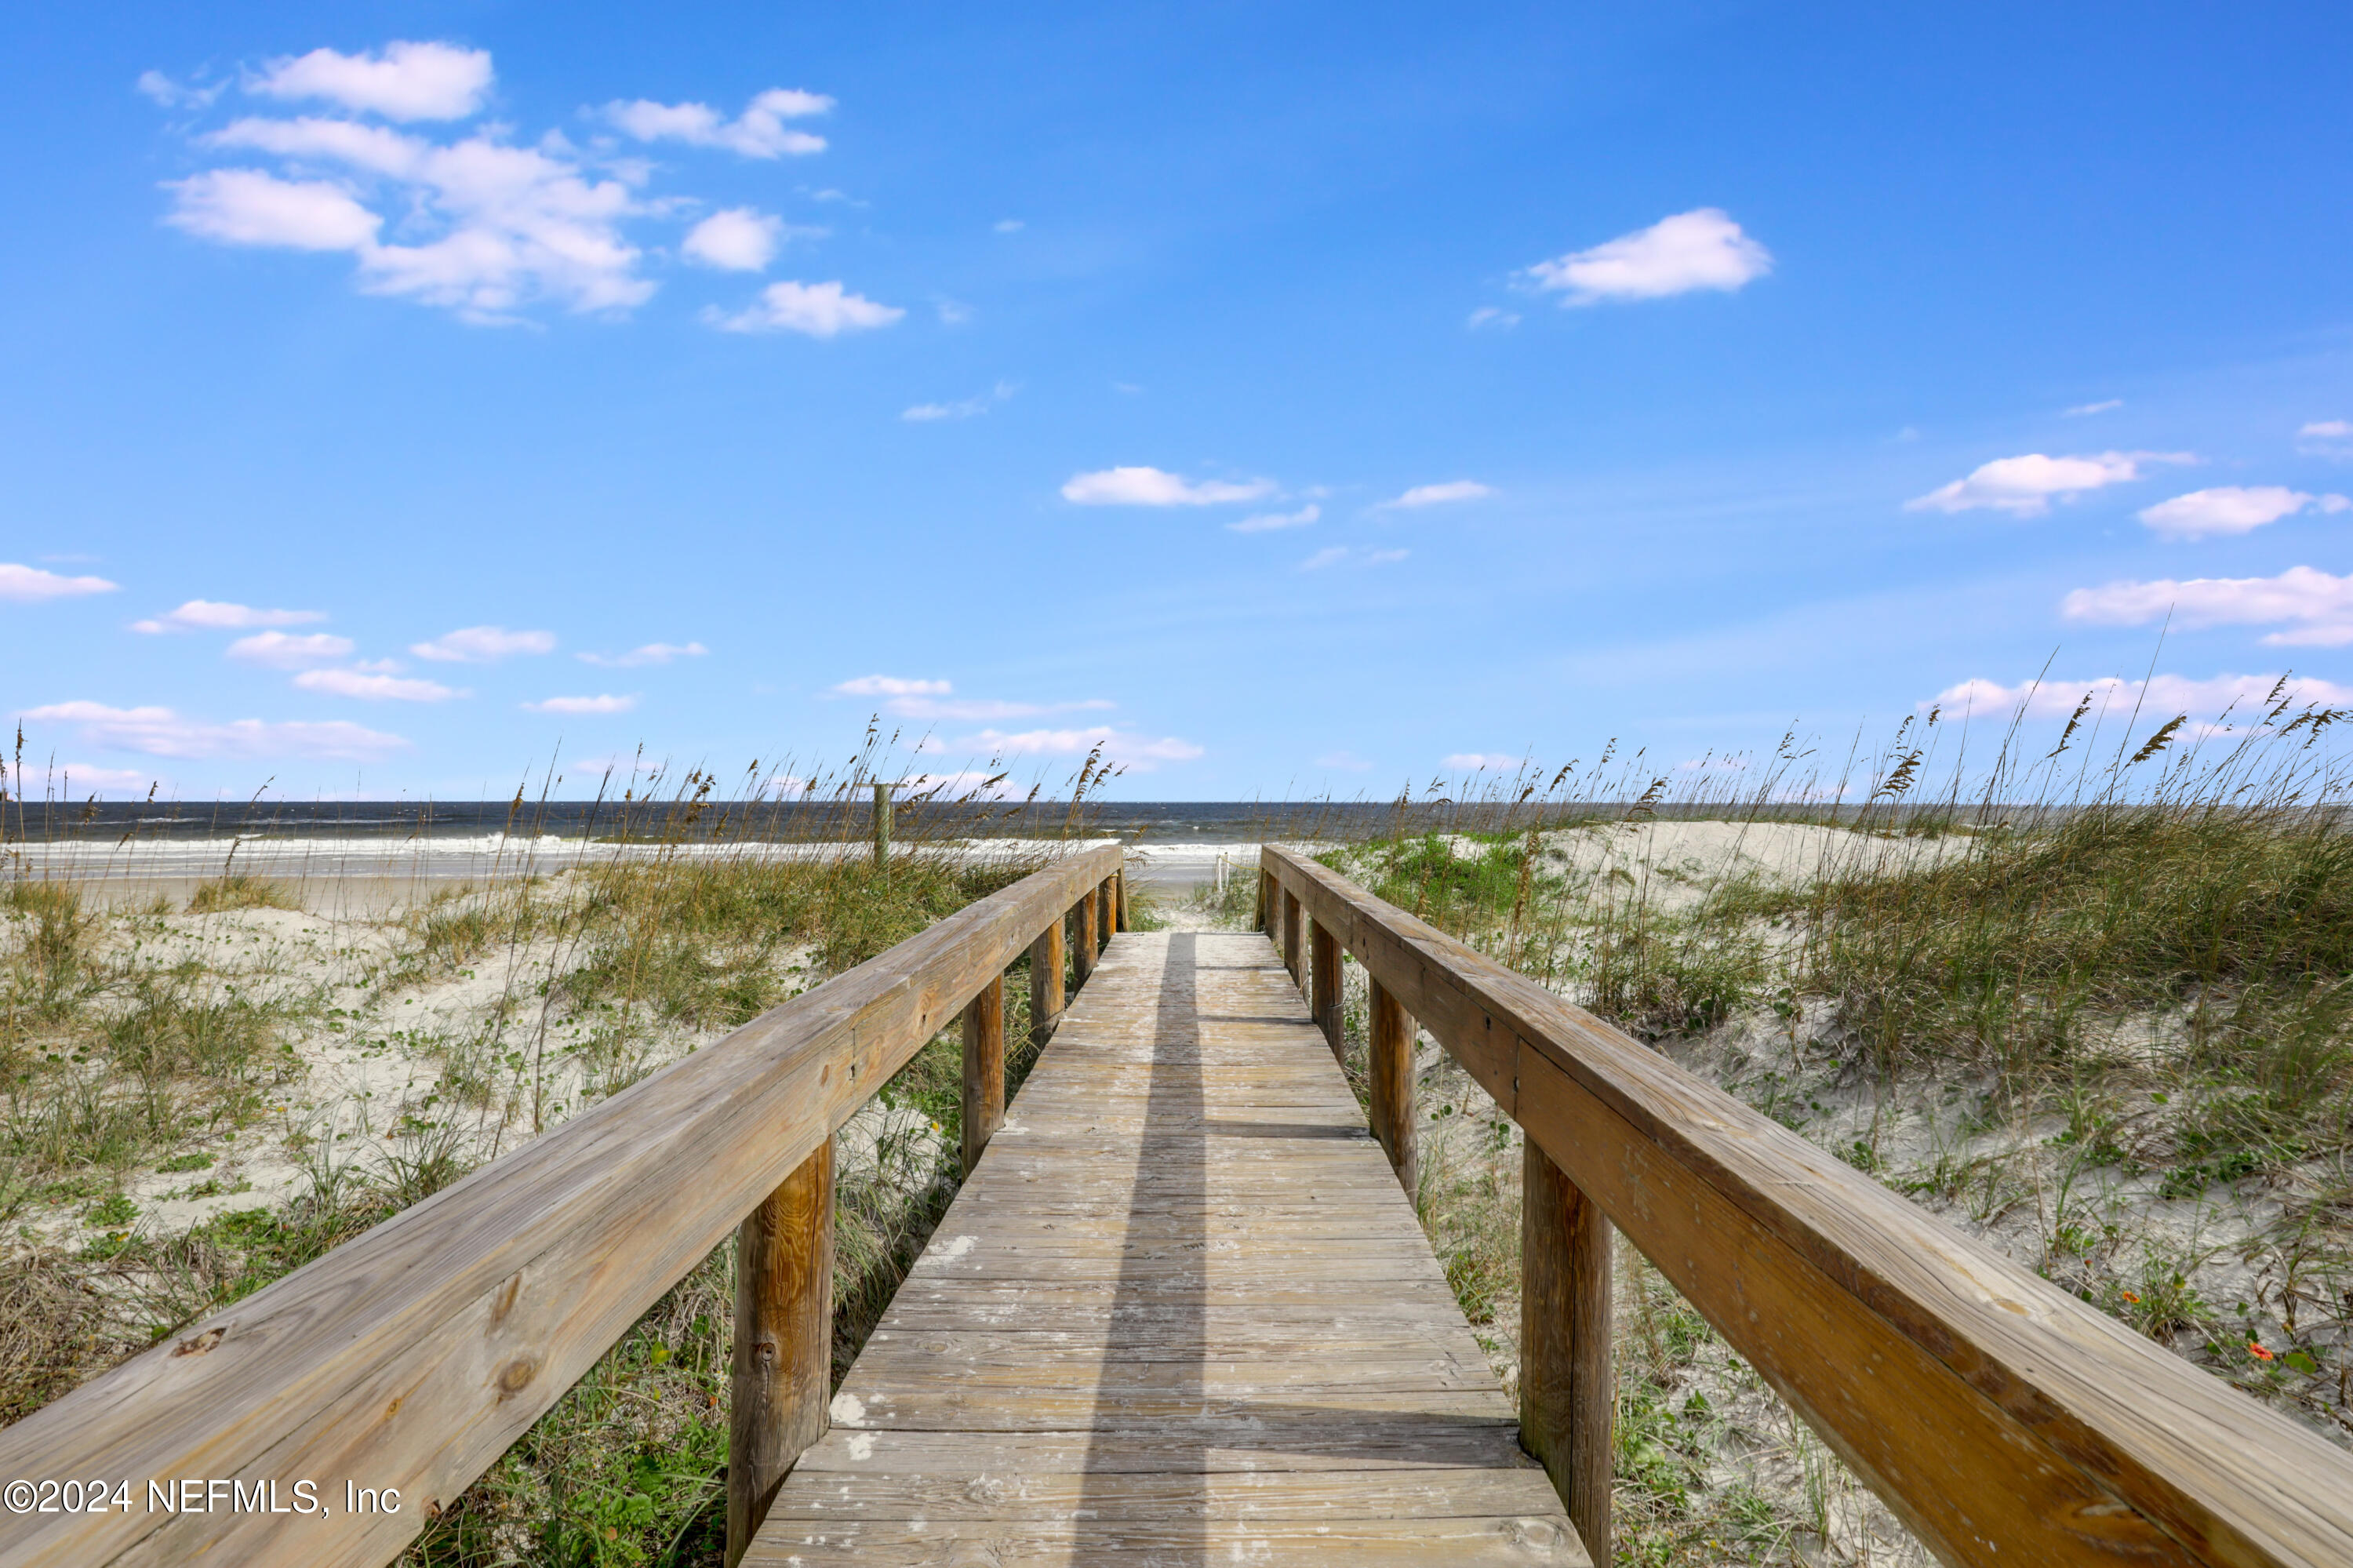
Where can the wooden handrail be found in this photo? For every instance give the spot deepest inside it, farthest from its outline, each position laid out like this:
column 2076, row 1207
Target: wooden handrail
column 2005, row 1421
column 411, row 1357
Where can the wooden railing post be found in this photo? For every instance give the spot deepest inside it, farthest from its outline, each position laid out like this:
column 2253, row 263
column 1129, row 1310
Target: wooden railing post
column 783, row 1371
column 1083, row 936
column 1324, row 1002
column 881, row 826
column 1046, row 959
column 1262, row 917
column 1119, row 894
column 984, row 1070
column 1107, row 900
column 1392, row 1035
column 1290, row 935
column 1568, row 1395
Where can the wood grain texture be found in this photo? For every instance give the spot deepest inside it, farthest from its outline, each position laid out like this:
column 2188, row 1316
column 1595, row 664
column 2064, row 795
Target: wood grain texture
column 984, row 1070
column 782, row 1367
column 416, row 1353
column 1292, row 941
column 1047, row 959
column 1084, row 945
column 1323, row 988
column 1183, row 1313
column 1568, row 1387
column 1390, row 1051
column 2004, row 1420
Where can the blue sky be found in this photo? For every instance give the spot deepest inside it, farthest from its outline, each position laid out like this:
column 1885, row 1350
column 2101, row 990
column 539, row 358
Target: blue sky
column 1286, row 397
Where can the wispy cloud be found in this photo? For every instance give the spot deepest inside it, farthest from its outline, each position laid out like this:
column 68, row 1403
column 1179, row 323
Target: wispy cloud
column 1265, row 520
column 1481, row 761
column 482, row 645
column 602, row 703
column 1490, row 318
column 2163, row 696
column 406, row 81
column 891, row 687
column 162, row 732
column 1702, row 249
column 1139, row 753
column 965, row 409
column 1438, row 494
column 1009, row 226
column 374, row 686
column 210, row 615
column 759, row 132
column 813, row 310
column 2102, row 407
column 1347, row 554
column 1157, row 487
column 28, row 585
column 2317, row 605
column 2327, row 437
column 286, row 650
column 650, row 653
column 2025, row 486
column 2233, row 509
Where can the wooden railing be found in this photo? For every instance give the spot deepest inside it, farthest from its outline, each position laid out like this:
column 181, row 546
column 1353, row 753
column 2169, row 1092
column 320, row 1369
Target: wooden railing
column 406, row 1361
column 2004, row 1421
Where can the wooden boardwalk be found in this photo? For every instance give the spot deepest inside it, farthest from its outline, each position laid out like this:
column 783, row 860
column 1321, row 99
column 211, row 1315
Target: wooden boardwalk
column 1181, row 1313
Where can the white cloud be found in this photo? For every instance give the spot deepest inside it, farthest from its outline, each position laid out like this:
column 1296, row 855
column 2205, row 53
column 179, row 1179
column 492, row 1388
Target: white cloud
column 2116, row 697
column 493, row 225
column 2232, row 509
column 891, row 686
column 596, row 704
column 2327, row 437
column 759, row 132
column 1488, row 318
column 1439, row 495
column 977, row 709
column 1154, row 487
column 1344, row 555
column 248, row 207
column 79, row 780
column 2322, row 603
column 284, row 650
column 1702, row 249
column 2102, row 407
column 1265, row 520
column 161, row 732
column 650, row 653
column 2023, row 486
column 1481, row 761
column 373, row 687
column 211, row 615
column 27, row 584
column 481, row 644
column 967, row 408
column 1008, row 225
column 819, row 309
column 1139, row 753
column 408, row 82
column 736, row 239
column 172, row 95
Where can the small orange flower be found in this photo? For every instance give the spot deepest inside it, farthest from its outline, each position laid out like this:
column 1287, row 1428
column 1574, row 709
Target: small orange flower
column 2257, row 1352
column 2131, row 1298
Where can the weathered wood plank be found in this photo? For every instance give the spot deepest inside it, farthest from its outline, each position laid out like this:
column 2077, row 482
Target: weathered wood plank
column 1184, row 1295
column 2001, row 1418
column 782, row 1367
column 983, row 1105
column 1568, row 1387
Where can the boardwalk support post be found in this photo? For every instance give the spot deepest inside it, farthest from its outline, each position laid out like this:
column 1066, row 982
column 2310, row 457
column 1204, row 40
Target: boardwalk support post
column 1107, row 907
column 1392, row 1035
column 783, row 1370
column 1324, row 1000
column 1083, row 937
column 1291, row 934
column 984, row 1070
column 881, row 826
column 1046, row 959
column 1567, row 1394
column 1262, row 917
